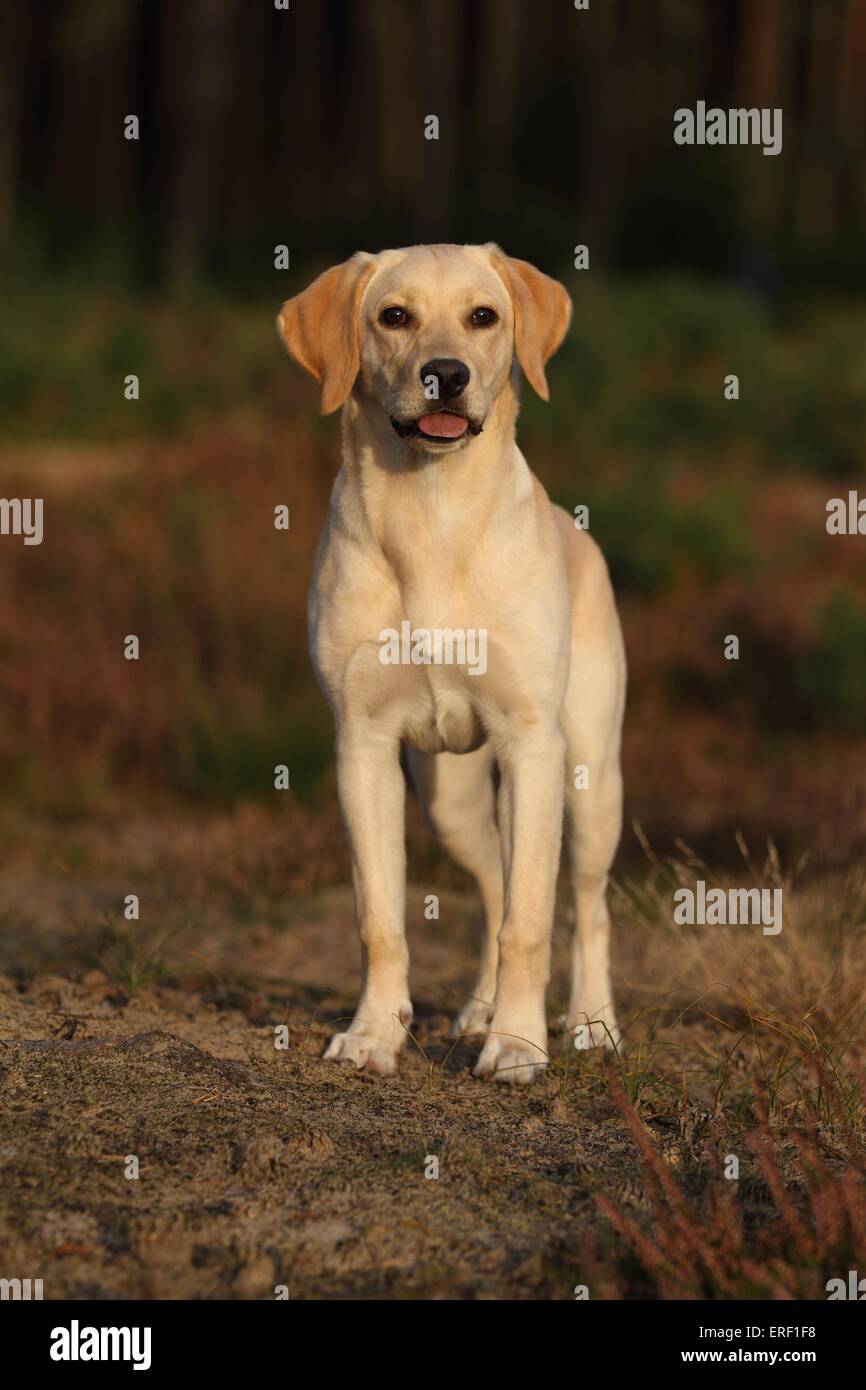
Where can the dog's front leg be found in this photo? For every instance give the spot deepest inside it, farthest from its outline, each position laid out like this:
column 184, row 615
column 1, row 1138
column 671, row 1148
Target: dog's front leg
column 372, row 798
column 531, row 798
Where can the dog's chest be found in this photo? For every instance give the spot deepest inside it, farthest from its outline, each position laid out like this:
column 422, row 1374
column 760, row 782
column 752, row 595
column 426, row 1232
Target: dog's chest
column 440, row 716
column 442, row 651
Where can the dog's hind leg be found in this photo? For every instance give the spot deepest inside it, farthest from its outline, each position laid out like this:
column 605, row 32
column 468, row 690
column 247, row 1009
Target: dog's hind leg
column 457, row 794
column 593, row 803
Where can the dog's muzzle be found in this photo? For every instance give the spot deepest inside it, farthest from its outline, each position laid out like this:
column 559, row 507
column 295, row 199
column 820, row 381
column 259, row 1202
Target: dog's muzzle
column 437, row 427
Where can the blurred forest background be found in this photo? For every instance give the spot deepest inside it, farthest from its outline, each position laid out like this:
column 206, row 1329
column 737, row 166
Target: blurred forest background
column 261, row 127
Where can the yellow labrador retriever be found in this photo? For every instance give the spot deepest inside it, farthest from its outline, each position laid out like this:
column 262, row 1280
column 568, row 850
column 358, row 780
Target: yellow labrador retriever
column 454, row 610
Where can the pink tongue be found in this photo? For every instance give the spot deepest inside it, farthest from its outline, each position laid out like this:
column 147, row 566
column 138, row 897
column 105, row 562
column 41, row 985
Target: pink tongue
column 443, row 426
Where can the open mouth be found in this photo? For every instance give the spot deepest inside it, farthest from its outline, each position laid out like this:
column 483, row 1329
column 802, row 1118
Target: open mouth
column 440, row 426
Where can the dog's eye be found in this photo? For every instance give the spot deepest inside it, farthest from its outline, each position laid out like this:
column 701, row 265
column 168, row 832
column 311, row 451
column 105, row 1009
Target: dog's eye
column 394, row 317
column 483, row 318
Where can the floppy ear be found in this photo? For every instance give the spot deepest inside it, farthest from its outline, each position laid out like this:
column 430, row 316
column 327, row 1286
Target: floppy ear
column 320, row 327
column 542, row 313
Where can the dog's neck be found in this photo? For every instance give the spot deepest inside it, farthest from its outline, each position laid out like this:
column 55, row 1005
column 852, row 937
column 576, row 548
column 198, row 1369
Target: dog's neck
column 405, row 497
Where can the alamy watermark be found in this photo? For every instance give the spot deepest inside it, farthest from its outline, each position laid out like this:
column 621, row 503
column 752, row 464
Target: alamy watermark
column 700, row 906
column 438, row 646
column 736, row 126
column 77, row 1343
column 854, row 1289
column 17, row 1290
column 22, row 516
column 846, row 516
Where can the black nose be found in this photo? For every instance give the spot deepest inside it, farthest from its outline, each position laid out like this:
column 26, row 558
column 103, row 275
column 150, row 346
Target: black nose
column 450, row 376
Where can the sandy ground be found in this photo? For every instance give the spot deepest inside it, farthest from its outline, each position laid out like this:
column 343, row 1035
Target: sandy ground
column 260, row 1167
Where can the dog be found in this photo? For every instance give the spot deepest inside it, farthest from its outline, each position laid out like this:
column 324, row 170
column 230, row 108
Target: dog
column 436, row 525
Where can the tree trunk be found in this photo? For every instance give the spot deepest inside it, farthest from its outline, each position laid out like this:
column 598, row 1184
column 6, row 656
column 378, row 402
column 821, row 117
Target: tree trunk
column 198, row 93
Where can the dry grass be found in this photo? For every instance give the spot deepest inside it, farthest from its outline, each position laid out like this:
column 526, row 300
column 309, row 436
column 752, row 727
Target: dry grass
column 810, row 1179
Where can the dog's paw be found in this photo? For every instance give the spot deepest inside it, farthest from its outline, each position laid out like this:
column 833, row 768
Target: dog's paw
column 364, row 1050
column 512, row 1057
column 473, row 1019
column 593, row 1028
column 373, row 1038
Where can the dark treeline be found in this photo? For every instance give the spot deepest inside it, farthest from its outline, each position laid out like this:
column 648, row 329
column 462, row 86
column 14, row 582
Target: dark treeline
column 261, row 126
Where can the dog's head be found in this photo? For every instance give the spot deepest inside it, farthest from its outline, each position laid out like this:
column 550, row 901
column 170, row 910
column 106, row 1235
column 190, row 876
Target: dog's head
column 429, row 334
